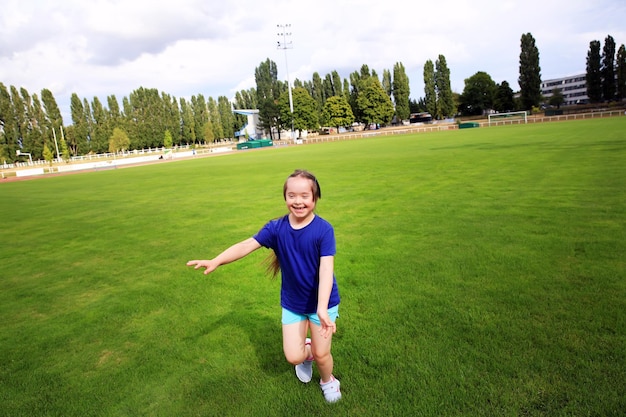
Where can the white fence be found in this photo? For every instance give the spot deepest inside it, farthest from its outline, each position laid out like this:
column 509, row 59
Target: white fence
column 559, row 118
column 97, row 161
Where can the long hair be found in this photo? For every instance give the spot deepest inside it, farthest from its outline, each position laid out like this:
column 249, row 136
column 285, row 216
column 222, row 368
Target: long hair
column 271, row 262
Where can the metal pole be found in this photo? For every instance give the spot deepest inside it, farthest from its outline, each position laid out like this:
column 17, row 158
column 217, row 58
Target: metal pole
column 284, row 46
column 56, row 145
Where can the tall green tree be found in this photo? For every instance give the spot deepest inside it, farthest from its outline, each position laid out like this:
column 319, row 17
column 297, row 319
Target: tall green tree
column 357, row 80
column 215, row 118
column 318, row 91
column 374, row 103
column 401, row 91
column 329, row 91
column 53, row 114
column 53, row 119
column 445, row 101
column 337, row 112
column 268, row 92
column 305, row 114
column 188, row 129
column 620, row 66
column 529, row 73
column 386, row 82
column 8, row 128
column 171, row 118
column 608, row 69
column 200, row 116
column 80, row 133
column 226, row 117
column 594, row 76
column 21, row 122
column 100, row 124
column 37, row 117
column 430, row 88
column 478, row 94
column 504, row 100
column 337, row 84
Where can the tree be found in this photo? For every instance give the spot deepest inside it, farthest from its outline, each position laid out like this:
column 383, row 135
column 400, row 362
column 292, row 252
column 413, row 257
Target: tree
column 100, row 126
column 226, row 117
column 374, row 103
column 337, row 89
column 504, row 101
column 65, row 151
column 430, row 88
column 317, row 91
column 208, row 130
column 118, row 141
column 386, row 82
column 337, row 112
column 608, row 69
column 401, row 92
column 305, row 114
column 200, row 116
column 53, row 114
column 48, row 155
column 267, row 92
column 594, row 76
column 478, row 94
column 215, row 118
column 167, row 139
column 188, row 129
column 445, row 103
column 8, row 128
column 620, row 65
column 529, row 73
column 79, row 138
column 557, row 98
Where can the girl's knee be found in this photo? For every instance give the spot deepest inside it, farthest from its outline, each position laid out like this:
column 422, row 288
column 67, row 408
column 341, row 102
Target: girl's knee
column 295, row 358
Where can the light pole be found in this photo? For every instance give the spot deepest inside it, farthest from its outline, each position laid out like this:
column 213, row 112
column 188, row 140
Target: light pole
column 284, row 46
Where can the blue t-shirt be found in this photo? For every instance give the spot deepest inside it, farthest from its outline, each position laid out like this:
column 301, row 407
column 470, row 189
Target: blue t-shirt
column 298, row 252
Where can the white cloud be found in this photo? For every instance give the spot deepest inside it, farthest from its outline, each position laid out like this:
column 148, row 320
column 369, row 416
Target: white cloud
column 104, row 47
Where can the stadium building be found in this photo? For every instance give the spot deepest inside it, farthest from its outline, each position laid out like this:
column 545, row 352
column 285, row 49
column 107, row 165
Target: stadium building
column 573, row 88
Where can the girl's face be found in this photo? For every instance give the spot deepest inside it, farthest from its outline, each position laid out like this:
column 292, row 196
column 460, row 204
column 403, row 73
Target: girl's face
column 300, row 199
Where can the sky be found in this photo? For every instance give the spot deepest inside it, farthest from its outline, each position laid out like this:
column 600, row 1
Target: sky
column 99, row 48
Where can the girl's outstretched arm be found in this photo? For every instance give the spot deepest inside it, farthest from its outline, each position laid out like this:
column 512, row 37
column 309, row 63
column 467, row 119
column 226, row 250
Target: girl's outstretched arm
column 235, row 252
column 327, row 267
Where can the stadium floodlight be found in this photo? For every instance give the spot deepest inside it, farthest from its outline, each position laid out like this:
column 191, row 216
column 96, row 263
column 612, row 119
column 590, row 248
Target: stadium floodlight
column 284, row 46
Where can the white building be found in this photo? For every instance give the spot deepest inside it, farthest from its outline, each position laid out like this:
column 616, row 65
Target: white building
column 573, row 88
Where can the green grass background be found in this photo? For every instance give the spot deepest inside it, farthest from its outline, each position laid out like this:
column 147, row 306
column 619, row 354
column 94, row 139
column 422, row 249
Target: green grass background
column 481, row 273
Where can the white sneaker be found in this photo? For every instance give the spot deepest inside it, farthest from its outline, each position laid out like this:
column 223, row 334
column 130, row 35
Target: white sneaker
column 304, row 370
column 331, row 390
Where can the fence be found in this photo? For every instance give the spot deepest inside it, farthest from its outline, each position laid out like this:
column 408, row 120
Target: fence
column 559, row 118
column 392, row 131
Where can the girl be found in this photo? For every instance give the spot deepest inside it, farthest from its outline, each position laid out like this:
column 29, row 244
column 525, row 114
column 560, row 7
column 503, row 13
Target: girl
column 304, row 250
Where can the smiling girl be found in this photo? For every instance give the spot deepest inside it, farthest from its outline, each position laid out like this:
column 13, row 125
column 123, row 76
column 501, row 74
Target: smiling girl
column 304, row 248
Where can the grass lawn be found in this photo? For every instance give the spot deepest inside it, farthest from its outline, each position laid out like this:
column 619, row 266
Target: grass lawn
column 482, row 273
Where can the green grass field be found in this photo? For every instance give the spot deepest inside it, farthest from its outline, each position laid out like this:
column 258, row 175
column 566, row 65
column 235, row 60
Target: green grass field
column 482, row 273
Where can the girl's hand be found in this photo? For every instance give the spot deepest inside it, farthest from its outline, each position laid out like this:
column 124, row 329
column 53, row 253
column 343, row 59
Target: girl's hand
column 327, row 326
column 209, row 265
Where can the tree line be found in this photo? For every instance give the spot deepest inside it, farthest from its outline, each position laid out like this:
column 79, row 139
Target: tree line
column 148, row 118
column 606, row 73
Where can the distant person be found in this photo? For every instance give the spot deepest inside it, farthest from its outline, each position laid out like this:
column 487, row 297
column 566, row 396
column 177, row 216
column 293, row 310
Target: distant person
column 304, row 251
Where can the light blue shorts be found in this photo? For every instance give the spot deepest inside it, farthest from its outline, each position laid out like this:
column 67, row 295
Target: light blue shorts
column 289, row 317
